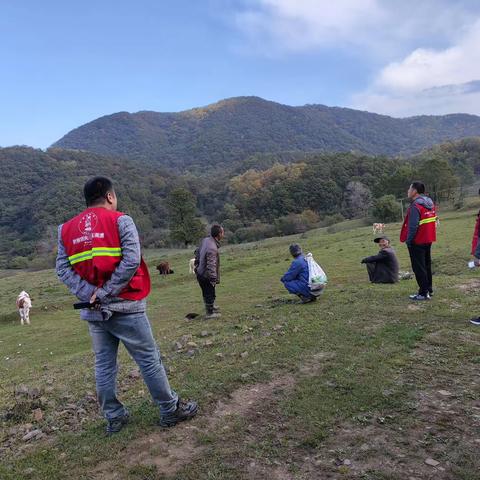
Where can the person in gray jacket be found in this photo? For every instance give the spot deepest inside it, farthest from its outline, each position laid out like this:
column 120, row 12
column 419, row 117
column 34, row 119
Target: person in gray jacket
column 99, row 277
column 207, row 269
column 383, row 267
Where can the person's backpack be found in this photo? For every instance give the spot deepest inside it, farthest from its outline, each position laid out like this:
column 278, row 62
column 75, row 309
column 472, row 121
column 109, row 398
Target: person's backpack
column 317, row 278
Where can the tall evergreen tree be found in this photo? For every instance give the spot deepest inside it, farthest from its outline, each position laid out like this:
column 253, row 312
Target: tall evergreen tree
column 439, row 178
column 185, row 226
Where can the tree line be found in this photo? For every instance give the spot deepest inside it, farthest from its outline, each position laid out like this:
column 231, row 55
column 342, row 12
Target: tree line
column 265, row 195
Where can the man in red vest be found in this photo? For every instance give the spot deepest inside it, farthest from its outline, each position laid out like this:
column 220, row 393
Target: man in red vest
column 476, row 233
column 99, row 260
column 419, row 232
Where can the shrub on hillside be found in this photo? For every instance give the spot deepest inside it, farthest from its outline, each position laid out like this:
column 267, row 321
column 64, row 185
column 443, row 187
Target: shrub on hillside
column 310, row 218
column 18, row 262
column 232, row 224
column 254, row 232
column 156, row 238
column 328, row 220
column 387, row 209
column 296, row 222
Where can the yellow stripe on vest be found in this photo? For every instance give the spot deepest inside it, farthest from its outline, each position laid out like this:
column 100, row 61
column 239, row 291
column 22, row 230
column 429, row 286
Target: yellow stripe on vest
column 427, row 220
column 95, row 252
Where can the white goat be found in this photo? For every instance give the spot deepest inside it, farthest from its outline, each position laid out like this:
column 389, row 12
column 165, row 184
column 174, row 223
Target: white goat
column 378, row 227
column 24, row 304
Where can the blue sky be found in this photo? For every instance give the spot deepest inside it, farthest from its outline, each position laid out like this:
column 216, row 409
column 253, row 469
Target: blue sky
column 66, row 63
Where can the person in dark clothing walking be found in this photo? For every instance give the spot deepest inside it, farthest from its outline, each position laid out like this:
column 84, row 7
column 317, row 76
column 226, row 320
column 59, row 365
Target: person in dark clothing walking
column 419, row 232
column 207, row 268
column 383, row 267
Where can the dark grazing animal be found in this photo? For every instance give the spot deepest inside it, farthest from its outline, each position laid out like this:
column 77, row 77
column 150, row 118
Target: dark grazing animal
column 164, row 268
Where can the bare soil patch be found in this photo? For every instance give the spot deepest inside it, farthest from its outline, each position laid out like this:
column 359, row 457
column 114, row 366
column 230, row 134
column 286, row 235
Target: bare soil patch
column 472, row 286
column 170, row 450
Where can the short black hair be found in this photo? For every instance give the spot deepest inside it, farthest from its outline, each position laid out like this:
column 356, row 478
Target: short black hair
column 295, row 249
column 215, row 230
column 95, row 190
column 419, row 187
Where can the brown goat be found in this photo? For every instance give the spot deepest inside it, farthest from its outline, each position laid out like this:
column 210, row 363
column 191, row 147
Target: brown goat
column 164, row 268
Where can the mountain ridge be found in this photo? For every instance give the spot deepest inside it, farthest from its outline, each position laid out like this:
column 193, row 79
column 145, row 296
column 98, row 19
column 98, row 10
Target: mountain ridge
column 234, row 128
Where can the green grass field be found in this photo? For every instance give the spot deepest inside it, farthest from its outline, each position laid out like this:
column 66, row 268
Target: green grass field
column 363, row 384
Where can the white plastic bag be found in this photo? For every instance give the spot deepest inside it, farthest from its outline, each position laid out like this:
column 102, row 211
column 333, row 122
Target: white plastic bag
column 317, row 278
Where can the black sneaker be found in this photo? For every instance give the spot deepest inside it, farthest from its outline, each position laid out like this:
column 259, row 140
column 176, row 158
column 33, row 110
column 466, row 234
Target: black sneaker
column 184, row 411
column 475, row 321
column 419, row 298
column 305, row 299
column 116, row 424
column 430, row 293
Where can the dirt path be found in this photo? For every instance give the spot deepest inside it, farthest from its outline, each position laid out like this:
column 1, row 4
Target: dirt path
column 170, row 450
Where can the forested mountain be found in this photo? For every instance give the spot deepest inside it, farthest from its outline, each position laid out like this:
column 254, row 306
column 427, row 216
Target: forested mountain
column 39, row 190
column 231, row 130
column 265, row 195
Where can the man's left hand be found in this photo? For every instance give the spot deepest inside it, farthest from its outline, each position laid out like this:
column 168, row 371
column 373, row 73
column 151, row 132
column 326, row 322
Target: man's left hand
column 93, row 300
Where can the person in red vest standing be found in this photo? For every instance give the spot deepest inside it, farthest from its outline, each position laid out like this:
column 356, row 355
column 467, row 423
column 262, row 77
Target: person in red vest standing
column 476, row 253
column 419, row 232
column 99, row 260
column 476, row 234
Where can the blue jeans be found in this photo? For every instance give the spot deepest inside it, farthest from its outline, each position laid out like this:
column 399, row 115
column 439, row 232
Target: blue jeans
column 134, row 330
column 297, row 287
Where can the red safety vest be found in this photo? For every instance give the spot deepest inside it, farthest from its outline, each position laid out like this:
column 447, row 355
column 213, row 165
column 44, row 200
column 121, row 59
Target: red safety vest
column 475, row 234
column 92, row 243
column 427, row 228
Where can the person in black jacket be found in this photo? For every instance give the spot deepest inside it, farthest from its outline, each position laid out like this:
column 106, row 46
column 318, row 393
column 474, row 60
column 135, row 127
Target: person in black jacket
column 383, row 267
column 207, row 268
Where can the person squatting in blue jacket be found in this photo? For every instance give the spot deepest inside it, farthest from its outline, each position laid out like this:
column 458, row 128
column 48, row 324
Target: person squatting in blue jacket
column 295, row 279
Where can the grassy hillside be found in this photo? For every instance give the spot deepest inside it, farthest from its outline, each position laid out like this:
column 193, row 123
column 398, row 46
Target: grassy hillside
column 361, row 385
column 232, row 129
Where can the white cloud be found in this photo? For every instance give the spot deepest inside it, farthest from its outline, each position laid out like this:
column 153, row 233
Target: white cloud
column 286, row 25
column 429, row 81
column 423, row 68
column 436, row 41
column 377, row 27
column 316, row 21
